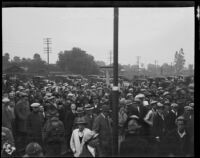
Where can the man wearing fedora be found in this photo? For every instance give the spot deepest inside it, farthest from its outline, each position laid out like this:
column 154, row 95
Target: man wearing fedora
column 35, row 122
column 102, row 126
column 78, row 136
column 134, row 144
column 69, row 123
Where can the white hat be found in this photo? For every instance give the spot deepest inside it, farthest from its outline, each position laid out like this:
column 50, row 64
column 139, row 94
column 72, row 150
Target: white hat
column 129, row 94
column 137, row 99
column 142, row 90
column 191, row 104
column 66, row 84
column 174, row 105
column 48, row 94
column 20, row 88
column 35, row 105
column 165, row 93
column 160, row 104
column 145, row 103
column 191, row 85
column 93, row 87
column 70, row 94
column 134, row 117
column 50, row 97
column 153, row 102
column 5, row 100
column 140, row 96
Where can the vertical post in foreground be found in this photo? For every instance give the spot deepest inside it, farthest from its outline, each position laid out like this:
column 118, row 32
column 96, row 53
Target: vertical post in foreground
column 115, row 90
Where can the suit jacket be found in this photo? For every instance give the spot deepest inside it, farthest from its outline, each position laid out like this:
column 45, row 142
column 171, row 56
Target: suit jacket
column 75, row 143
column 22, row 110
column 104, row 129
column 141, row 113
column 7, row 118
column 90, row 120
column 69, row 123
column 134, row 145
column 159, row 126
column 170, row 121
column 176, row 145
column 35, row 122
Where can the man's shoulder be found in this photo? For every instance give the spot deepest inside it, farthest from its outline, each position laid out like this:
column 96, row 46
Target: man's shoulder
column 75, row 130
column 100, row 116
column 87, row 130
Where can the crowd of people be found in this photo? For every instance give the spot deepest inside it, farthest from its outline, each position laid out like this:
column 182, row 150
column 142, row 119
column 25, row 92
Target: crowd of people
column 75, row 119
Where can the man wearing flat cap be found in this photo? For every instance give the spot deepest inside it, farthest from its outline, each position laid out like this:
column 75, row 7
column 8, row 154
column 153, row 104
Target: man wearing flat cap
column 102, row 126
column 171, row 117
column 22, row 110
column 189, row 116
column 89, row 115
column 178, row 141
column 159, row 127
column 35, row 122
column 7, row 116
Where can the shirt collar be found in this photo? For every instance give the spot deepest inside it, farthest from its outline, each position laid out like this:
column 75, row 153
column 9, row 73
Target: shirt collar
column 182, row 134
column 103, row 115
column 174, row 112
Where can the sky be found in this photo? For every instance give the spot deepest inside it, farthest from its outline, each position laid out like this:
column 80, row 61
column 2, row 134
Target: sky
column 151, row 33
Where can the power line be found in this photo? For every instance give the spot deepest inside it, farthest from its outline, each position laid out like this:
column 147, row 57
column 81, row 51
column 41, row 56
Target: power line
column 111, row 57
column 47, row 49
column 138, row 62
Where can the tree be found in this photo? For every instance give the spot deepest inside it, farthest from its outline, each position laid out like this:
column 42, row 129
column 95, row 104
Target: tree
column 190, row 69
column 100, row 63
column 179, row 61
column 16, row 59
column 5, row 60
column 77, row 61
column 151, row 69
column 166, row 69
column 37, row 57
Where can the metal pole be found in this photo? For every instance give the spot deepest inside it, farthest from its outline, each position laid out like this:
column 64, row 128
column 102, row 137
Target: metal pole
column 115, row 89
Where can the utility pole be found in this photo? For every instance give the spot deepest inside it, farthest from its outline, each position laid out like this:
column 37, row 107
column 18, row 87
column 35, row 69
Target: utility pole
column 115, row 89
column 110, row 58
column 47, row 50
column 156, row 66
column 171, row 69
column 138, row 63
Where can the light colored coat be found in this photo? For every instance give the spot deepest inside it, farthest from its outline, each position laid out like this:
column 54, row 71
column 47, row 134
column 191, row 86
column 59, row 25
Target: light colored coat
column 75, row 144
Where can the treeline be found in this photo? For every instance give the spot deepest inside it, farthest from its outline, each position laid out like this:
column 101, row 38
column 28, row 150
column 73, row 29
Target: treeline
column 74, row 61
column 77, row 61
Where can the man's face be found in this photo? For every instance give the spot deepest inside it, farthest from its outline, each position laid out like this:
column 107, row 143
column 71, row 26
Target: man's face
column 175, row 109
column 36, row 109
column 73, row 107
column 81, row 127
column 25, row 98
column 41, row 108
column 160, row 110
column 132, row 126
column 89, row 112
column 106, row 113
column 180, row 125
